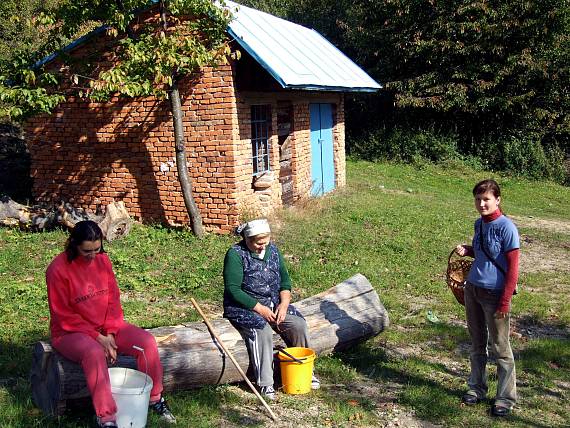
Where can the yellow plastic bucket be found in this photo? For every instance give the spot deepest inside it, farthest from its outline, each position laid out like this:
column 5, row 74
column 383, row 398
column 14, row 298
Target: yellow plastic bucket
column 296, row 376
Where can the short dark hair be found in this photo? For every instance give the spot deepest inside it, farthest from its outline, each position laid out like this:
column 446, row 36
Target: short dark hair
column 487, row 186
column 85, row 230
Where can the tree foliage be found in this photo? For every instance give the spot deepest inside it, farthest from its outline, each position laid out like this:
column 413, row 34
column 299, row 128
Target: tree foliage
column 25, row 31
column 149, row 55
column 152, row 46
column 494, row 74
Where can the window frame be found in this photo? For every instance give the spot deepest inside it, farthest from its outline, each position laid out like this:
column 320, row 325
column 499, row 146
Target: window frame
column 260, row 138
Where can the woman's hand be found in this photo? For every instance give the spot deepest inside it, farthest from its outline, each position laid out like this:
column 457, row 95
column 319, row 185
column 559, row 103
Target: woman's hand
column 109, row 346
column 265, row 312
column 462, row 250
column 281, row 312
column 284, row 300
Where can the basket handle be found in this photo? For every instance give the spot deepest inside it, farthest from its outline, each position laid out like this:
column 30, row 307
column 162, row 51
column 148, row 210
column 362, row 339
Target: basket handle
column 451, row 254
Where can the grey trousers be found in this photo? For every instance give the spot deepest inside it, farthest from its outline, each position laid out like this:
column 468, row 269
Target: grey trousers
column 480, row 307
column 259, row 344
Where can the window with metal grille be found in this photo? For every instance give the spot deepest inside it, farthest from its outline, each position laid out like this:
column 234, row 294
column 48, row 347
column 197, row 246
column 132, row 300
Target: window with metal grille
column 260, row 131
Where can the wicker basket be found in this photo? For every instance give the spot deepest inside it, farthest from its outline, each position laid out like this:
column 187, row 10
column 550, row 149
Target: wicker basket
column 457, row 271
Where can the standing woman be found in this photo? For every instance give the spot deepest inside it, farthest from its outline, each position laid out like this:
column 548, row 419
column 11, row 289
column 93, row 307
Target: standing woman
column 257, row 296
column 488, row 291
column 87, row 325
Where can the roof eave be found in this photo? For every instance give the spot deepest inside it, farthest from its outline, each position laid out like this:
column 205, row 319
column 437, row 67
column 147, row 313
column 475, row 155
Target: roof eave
column 332, row 88
column 254, row 55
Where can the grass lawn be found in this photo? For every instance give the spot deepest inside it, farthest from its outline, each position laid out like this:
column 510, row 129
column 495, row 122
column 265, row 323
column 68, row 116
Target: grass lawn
column 395, row 224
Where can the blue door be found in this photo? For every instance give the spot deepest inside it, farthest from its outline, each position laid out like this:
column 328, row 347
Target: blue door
column 322, row 154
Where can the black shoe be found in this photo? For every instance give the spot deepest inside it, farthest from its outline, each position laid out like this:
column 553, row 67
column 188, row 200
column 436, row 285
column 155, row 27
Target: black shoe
column 110, row 424
column 500, row 411
column 163, row 411
column 470, row 399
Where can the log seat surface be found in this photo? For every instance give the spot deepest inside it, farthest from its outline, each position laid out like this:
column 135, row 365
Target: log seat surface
column 338, row 318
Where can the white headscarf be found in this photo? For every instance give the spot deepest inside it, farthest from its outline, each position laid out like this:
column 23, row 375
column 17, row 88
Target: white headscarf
column 254, row 228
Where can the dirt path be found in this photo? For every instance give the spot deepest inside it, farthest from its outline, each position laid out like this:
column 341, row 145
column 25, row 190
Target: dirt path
column 551, row 225
column 537, row 256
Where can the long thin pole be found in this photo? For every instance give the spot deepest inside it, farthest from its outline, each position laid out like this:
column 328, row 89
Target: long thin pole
column 229, row 354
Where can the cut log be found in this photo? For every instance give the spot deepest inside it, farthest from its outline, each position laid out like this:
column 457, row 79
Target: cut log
column 117, row 222
column 13, row 213
column 338, row 318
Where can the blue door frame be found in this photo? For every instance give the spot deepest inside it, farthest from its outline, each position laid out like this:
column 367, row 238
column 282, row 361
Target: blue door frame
column 322, row 152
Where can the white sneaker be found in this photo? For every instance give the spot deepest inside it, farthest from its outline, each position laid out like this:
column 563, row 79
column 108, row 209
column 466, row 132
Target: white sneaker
column 315, row 383
column 268, row 392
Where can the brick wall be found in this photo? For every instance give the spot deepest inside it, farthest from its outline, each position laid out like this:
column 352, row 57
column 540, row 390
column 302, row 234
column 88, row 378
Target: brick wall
column 93, row 153
column 254, row 202
column 339, row 143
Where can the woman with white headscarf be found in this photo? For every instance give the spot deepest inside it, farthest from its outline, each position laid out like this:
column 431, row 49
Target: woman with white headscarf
column 257, row 295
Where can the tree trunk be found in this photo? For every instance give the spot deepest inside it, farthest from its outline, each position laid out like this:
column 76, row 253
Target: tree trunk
column 181, row 162
column 338, row 318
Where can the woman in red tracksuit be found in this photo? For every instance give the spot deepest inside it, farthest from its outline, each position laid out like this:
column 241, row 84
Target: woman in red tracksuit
column 87, row 325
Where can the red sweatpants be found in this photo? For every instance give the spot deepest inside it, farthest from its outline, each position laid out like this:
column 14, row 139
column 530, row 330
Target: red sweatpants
column 83, row 349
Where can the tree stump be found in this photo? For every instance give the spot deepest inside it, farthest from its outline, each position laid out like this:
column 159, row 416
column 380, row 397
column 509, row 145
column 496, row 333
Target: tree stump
column 338, row 318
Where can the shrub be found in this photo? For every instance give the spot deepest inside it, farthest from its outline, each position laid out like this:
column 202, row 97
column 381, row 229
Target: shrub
column 530, row 158
column 406, row 145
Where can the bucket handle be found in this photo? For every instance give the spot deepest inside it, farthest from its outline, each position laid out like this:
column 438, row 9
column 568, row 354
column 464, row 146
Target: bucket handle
column 138, row 348
column 297, row 360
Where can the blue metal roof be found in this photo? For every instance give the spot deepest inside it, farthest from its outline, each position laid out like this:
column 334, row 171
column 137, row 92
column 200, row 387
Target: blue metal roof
column 296, row 56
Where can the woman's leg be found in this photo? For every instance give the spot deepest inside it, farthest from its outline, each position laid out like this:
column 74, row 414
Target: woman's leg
column 294, row 331
column 499, row 330
column 85, row 350
column 130, row 335
column 476, row 324
column 259, row 343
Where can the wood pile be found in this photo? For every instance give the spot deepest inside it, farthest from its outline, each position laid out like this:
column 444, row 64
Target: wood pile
column 115, row 222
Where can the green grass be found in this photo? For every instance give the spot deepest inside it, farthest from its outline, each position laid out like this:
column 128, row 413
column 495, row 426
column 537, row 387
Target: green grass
column 393, row 223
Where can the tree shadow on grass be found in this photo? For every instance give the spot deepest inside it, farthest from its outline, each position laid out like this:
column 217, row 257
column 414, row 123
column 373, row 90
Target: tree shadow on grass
column 406, row 381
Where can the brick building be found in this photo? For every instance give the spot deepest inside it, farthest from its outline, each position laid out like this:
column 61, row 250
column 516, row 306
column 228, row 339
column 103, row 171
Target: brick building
column 261, row 132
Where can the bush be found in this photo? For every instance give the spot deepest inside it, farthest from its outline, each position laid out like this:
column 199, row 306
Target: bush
column 520, row 155
column 406, row 145
column 528, row 157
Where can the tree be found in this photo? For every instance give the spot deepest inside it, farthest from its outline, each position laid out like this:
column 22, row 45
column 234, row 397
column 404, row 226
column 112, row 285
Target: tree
column 494, row 75
column 175, row 39
column 23, row 36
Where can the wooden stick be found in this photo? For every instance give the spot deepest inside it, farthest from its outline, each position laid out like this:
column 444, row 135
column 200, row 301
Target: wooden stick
column 229, row 354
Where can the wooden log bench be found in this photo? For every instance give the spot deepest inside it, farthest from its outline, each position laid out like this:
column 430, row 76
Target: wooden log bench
column 338, row 318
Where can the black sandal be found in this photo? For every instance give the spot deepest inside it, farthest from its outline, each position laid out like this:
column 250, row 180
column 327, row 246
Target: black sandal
column 500, row 411
column 470, row 399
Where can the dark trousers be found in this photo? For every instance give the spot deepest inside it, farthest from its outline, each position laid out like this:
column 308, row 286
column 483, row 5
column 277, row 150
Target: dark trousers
column 484, row 328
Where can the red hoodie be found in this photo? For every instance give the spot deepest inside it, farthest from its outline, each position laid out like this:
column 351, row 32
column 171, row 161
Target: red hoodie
column 83, row 296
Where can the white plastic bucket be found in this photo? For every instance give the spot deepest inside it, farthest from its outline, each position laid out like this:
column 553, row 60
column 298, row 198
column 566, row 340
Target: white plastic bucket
column 131, row 391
